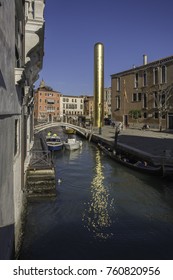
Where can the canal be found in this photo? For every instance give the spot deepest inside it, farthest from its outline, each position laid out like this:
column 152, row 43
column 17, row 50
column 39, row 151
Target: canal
column 102, row 211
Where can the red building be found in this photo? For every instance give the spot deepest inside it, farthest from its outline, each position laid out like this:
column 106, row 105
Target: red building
column 46, row 104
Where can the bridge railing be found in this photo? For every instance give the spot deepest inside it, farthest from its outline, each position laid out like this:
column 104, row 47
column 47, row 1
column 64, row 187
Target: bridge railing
column 80, row 129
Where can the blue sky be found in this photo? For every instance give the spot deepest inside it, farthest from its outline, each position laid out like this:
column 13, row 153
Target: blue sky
column 127, row 28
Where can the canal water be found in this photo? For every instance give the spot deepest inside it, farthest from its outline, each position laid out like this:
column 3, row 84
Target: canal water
column 102, row 211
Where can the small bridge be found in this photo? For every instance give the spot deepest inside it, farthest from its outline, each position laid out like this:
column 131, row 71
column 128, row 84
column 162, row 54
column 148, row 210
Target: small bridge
column 83, row 131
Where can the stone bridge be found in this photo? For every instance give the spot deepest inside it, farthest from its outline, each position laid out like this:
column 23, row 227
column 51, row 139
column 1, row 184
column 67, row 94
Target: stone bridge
column 83, row 131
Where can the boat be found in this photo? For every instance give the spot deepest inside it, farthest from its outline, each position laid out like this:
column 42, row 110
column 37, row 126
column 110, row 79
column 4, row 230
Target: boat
column 72, row 144
column 69, row 130
column 132, row 161
column 54, row 143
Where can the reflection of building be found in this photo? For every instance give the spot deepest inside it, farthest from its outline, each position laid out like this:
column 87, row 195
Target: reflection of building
column 71, row 106
column 22, row 35
column 46, row 104
column 148, row 89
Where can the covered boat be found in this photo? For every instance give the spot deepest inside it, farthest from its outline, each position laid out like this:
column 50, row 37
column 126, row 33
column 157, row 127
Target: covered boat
column 54, row 142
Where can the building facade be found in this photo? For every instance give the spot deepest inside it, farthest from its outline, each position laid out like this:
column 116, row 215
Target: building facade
column 71, row 108
column 46, row 104
column 144, row 94
column 21, row 42
column 107, row 102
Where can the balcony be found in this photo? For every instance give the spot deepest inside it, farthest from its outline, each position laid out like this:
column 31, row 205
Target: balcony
column 18, row 75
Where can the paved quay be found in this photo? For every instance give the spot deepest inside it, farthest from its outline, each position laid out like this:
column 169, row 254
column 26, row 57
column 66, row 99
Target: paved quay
column 149, row 144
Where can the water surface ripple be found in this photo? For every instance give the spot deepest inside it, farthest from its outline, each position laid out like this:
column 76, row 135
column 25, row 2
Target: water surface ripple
column 102, row 211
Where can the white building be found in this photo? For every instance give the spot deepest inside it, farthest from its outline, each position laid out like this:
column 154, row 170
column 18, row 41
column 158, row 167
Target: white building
column 71, row 107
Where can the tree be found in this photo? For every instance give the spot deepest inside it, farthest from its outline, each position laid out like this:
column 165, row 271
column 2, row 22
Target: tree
column 135, row 114
column 162, row 101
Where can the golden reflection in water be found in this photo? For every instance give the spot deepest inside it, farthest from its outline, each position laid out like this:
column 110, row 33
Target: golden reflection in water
column 97, row 213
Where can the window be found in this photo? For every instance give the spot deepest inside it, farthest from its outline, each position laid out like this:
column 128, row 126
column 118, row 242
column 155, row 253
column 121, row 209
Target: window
column 139, row 96
column 163, row 74
column 134, row 97
column 117, row 100
column 145, row 115
column 155, row 76
column 163, row 100
column 145, row 79
column 156, row 115
column 118, row 84
column 136, row 80
column 144, row 100
column 155, row 99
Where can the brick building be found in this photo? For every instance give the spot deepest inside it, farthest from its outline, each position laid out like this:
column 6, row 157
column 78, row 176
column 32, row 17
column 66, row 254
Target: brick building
column 46, row 104
column 144, row 94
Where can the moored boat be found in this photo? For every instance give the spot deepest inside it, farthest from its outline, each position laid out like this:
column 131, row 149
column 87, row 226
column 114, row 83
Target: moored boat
column 54, row 142
column 72, row 144
column 69, row 130
column 132, row 162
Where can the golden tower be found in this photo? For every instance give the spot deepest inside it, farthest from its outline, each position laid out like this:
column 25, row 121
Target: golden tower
column 98, row 85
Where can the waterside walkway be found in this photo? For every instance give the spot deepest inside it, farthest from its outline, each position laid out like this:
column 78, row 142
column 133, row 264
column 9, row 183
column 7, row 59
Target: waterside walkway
column 149, row 144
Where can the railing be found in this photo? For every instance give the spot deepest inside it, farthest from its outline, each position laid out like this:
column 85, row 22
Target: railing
column 41, row 159
column 80, row 129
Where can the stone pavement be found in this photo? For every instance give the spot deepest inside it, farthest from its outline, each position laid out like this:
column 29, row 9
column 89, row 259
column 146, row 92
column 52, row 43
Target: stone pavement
column 150, row 143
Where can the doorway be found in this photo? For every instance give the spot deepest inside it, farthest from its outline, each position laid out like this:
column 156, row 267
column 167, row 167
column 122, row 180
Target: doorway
column 170, row 121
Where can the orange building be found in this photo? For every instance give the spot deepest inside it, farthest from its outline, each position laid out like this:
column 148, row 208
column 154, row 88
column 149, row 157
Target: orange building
column 46, row 104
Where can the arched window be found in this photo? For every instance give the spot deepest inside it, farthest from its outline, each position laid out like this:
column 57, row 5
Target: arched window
column 155, row 76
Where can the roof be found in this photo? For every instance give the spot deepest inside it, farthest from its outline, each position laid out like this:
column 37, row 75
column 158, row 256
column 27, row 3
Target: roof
column 144, row 66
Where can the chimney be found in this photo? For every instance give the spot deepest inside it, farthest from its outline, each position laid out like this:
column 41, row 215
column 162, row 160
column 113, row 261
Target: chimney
column 144, row 59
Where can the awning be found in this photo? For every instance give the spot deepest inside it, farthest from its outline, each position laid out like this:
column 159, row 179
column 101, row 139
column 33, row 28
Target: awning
column 50, row 101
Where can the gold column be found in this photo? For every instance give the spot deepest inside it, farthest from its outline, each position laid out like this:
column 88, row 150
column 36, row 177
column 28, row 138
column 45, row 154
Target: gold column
column 98, row 85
